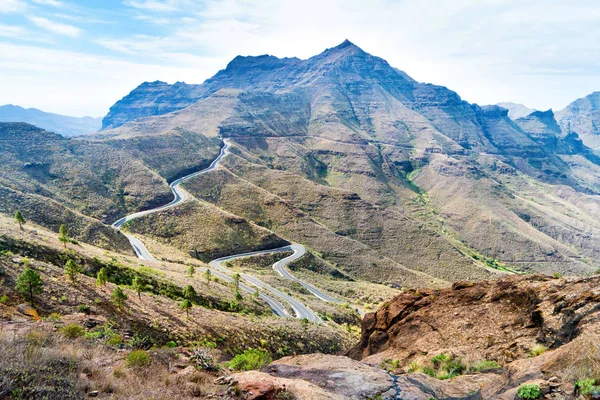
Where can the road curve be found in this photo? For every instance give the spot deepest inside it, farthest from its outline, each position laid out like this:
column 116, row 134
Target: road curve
column 180, row 195
column 300, row 309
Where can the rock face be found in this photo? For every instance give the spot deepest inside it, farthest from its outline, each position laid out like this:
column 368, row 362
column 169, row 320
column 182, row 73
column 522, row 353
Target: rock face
column 151, row 98
column 62, row 124
column 497, row 320
column 494, row 321
column 583, row 117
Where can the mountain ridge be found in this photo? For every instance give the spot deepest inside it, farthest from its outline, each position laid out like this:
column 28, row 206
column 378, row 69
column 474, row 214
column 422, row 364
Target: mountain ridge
column 62, row 124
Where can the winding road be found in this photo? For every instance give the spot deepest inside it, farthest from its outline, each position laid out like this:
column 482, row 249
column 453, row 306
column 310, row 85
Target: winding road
column 180, row 195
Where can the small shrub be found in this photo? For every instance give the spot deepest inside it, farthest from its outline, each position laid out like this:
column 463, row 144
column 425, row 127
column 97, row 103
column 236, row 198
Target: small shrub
column 537, row 350
column 171, row 345
column 250, row 359
column 115, row 340
column 137, row 359
column 141, row 342
column 529, row 392
column 84, row 308
column 72, row 331
column 588, row 387
column 202, row 358
column 556, row 275
column 483, row 365
column 414, row 367
column 3, row 299
column 54, row 317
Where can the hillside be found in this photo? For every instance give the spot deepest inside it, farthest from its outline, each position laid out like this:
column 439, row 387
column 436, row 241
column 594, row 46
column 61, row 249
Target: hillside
column 61, row 124
column 489, row 340
column 583, row 117
column 386, row 177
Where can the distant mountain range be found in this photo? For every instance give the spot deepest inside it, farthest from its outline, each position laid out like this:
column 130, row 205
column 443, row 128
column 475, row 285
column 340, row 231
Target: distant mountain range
column 386, row 178
column 62, row 124
column 372, row 164
column 516, row 110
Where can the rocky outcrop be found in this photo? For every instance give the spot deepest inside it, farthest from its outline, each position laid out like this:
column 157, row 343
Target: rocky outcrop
column 496, row 321
column 151, row 98
column 583, row 117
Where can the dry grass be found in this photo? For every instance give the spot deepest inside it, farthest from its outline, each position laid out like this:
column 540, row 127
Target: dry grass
column 36, row 363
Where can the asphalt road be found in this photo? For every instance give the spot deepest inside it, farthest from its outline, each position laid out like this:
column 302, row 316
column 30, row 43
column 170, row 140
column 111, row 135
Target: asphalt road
column 180, row 195
column 300, row 309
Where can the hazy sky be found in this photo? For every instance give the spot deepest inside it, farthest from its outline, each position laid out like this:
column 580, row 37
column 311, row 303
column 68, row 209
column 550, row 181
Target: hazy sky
column 79, row 57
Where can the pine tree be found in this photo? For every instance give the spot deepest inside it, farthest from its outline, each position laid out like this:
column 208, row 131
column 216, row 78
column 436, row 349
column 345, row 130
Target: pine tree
column 63, row 234
column 118, row 297
column 102, row 277
column 29, row 283
column 208, row 276
column 189, row 293
column 138, row 285
column 72, row 270
column 19, row 219
column 236, row 281
column 191, row 271
column 186, row 305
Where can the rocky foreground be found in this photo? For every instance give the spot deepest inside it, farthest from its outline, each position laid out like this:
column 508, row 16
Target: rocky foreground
column 483, row 340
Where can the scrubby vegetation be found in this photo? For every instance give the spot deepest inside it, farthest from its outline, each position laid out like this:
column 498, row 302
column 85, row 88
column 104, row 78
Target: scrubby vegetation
column 250, row 359
column 529, row 392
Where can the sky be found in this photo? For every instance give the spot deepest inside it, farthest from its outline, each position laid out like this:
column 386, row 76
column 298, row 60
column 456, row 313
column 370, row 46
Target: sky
column 80, row 57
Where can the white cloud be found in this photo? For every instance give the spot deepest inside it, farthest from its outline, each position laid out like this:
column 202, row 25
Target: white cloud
column 79, row 84
column 539, row 52
column 56, row 27
column 53, row 3
column 12, row 31
column 10, row 6
column 156, row 5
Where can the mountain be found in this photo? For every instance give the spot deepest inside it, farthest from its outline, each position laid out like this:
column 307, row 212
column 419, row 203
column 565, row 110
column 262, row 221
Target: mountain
column 386, row 178
column 515, row 110
column 583, row 117
column 62, row 124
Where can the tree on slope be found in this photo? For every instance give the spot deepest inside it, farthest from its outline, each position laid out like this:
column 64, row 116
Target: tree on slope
column 186, row 305
column 72, row 270
column 118, row 297
column 63, row 234
column 191, row 271
column 19, row 219
column 102, row 277
column 29, row 283
column 138, row 285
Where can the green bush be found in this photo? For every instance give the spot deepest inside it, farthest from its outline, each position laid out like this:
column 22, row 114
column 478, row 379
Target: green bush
column 529, row 392
column 137, row 359
column 588, row 386
column 84, row 308
column 114, row 340
column 72, row 331
column 3, row 299
column 249, row 360
column 171, row 345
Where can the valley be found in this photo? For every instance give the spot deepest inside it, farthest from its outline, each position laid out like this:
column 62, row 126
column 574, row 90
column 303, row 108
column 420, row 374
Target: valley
column 332, row 214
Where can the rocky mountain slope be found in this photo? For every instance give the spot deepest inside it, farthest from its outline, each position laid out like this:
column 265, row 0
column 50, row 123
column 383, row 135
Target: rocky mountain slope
column 386, row 177
column 583, row 117
column 62, row 124
column 471, row 341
